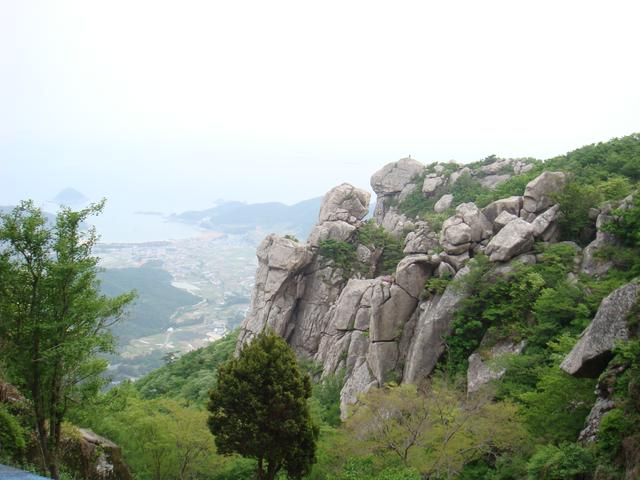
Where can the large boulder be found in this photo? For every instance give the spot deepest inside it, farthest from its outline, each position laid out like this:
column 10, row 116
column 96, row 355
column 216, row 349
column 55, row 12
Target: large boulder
column 281, row 262
column 443, row 203
column 484, row 369
column 471, row 215
column 545, row 226
column 93, row 457
column 413, row 271
column 431, row 184
column 512, row 205
column 492, row 181
column 393, row 177
column 515, row 238
column 421, row 240
column 433, row 325
column 346, row 203
column 538, row 194
column 466, row 227
column 501, row 220
column 594, row 349
column 592, row 264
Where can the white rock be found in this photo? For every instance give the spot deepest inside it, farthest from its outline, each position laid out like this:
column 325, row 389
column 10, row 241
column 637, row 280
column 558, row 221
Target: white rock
column 515, row 238
column 443, row 203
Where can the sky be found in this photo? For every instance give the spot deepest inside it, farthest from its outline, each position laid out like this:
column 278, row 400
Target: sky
column 170, row 105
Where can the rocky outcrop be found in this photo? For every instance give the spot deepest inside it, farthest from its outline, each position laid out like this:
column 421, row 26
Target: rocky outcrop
column 512, row 205
column 393, row 181
column 393, row 177
column 421, row 240
column 592, row 264
column 592, row 423
column 466, row 228
column 432, row 327
column 443, row 203
column 515, row 238
column 545, row 226
column 344, row 203
column 594, row 349
column 93, row 457
column 381, row 329
column 278, row 286
column 538, row 195
column 484, row 368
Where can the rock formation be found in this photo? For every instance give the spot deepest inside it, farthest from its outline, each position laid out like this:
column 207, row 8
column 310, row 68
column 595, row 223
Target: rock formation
column 382, row 329
column 593, row 351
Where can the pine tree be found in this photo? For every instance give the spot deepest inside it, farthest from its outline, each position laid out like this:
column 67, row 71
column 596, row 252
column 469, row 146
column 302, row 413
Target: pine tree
column 259, row 409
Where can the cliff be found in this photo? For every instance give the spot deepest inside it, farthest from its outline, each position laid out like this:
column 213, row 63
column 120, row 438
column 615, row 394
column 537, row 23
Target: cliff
column 379, row 328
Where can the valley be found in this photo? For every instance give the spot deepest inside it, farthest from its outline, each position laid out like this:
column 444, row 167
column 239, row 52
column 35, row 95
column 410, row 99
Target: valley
column 190, row 292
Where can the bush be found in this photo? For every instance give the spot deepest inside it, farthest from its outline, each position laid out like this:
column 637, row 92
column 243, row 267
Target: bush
column 626, row 226
column 12, row 436
column 343, row 254
column 467, row 189
column 569, row 461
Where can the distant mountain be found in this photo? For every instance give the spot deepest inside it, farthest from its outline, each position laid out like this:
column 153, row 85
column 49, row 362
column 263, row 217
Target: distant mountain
column 239, row 217
column 70, row 197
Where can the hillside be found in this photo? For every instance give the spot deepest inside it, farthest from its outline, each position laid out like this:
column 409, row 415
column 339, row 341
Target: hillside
column 239, row 217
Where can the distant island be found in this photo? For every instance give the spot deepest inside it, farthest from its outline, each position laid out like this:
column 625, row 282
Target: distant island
column 70, row 197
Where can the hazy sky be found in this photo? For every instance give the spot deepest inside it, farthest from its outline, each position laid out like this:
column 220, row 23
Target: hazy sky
column 171, row 105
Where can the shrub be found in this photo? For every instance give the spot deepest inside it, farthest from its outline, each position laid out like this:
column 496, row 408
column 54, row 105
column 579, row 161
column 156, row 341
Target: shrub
column 569, row 461
column 12, row 436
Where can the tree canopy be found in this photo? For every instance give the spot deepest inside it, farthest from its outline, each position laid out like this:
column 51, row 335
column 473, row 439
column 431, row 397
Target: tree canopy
column 53, row 318
column 259, row 409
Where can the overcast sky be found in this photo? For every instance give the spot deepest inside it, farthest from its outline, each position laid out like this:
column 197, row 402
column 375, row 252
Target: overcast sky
column 171, row 105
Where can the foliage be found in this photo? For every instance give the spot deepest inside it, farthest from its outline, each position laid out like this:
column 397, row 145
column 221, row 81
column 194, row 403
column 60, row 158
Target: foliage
column 192, row 375
column 293, row 238
column 12, row 436
column 467, row 189
column 555, row 409
column 374, row 236
column 365, row 468
column 55, row 320
column 326, row 396
column 437, row 431
column 576, row 199
column 626, row 224
column 259, row 409
column 436, row 286
column 530, row 301
column 160, row 438
column 343, row 254
column 568, row 461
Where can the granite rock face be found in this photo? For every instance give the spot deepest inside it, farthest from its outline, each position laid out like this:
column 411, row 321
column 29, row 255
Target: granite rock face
column 466, row 228
column 345, row 203
column 443, row 203
column 515, row 238
column 432, row 326
column 539, row 191
column 481, row 371
column 393, row 177
column 512, row 205
column 594, row 349
column 381, row 329
column 278, row 287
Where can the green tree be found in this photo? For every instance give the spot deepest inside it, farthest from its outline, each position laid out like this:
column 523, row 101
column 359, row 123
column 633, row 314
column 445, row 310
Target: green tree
column 259, row 409
column 436, row 432
column 53, row 318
